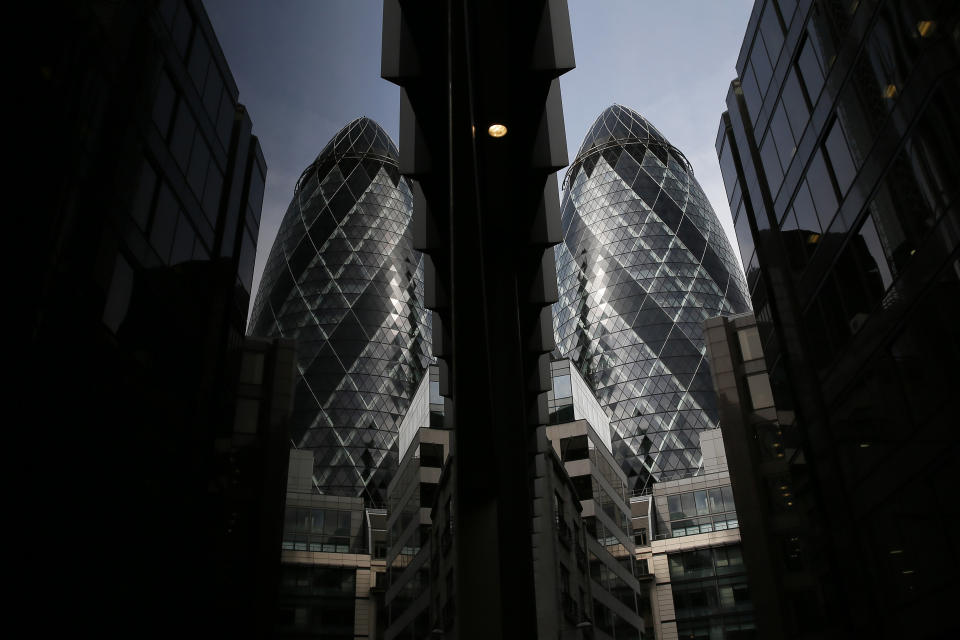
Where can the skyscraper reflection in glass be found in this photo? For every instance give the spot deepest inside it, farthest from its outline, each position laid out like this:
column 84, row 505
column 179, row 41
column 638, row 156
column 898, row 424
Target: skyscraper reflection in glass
column 344, row 280
column 643, row 263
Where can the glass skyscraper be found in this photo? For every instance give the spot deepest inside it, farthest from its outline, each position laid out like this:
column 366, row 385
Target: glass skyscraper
column 643, row 263
column 344, row 280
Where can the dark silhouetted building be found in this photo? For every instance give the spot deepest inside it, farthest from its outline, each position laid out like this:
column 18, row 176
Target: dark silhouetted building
column 343, row 279
column 135, row 260
column 762, row 465
column 643, row 263
column 839, row 151
column 481, row 138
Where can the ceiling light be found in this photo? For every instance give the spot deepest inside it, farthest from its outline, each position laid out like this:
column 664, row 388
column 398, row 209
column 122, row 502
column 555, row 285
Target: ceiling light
column 497, row 130
column 890, row 91
column 925, row 28
column 894, row 552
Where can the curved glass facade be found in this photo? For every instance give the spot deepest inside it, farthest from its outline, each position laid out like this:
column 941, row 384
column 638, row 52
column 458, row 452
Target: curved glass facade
column 643, row 263
column 344, row 280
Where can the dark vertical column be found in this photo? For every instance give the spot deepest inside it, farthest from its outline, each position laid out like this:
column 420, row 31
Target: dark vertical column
column 485, row 213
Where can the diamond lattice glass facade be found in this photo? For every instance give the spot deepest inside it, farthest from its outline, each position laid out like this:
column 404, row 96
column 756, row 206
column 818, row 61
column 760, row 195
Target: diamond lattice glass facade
column 643, row 263
column 343, row 279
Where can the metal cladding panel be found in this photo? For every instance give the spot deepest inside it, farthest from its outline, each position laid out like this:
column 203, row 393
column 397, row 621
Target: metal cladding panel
column 344, row 280
column 417, row 416
column 586, row 407
column 643, row 263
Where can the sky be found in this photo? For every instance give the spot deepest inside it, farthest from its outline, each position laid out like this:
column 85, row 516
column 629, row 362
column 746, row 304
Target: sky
column 305, row 68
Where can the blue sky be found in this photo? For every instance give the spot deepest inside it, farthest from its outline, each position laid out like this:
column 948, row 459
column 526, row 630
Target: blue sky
column 307, row 67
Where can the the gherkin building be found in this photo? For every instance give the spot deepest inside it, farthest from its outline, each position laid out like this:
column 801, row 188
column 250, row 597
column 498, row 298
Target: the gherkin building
column 643, row 263
column 344, row 280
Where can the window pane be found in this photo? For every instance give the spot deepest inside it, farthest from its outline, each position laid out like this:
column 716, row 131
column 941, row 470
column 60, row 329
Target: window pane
column 688, row 504
column 211, row 193
column 728, row 504
column 257, row 185
column 878, row 268
column 744, row 235
column 701, row 499
column 760, row 394
column 673, row 506
column 212, row 92
column 561, row 387
column 164, row 222
column 761, row 63
column 839, row 153
column 750, row 344
column 821, row 188
column 143, row 199
column 787, row 8
column 163, row 103
column 574, row 448
column 795, row 105
column 805, row 211
column 182, row 28
column 199, row 162
column 782, row 136
column 751, row 92
column 715, row 500
column 199, row 61
column 181, row 141
column 248, row 253
column 772, row 33
column 771, row 164
column 225, row 116
column 728, row 169
column 811, row 74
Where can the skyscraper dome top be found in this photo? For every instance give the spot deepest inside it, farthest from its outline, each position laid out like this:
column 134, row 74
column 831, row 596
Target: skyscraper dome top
column 619, row 125
column 643, row 262
column 358, row 138
column 344, row 279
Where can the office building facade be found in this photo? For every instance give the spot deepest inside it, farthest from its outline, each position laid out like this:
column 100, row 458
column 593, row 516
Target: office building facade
column 619, row 590
column 135, row 259
column 332, row 572
column 764, row 474
column 642, row 263
column 695, row 556
column 343, row 279
column 839, row 151
column 588, row 584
